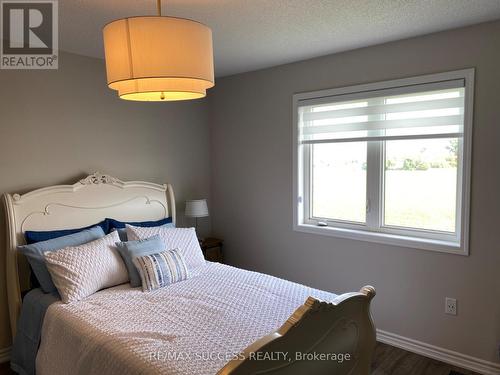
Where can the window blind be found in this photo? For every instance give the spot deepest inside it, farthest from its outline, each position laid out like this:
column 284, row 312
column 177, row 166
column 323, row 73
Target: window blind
column 433, row 110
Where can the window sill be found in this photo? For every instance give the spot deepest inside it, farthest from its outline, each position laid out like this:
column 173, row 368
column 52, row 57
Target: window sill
column 385, row 238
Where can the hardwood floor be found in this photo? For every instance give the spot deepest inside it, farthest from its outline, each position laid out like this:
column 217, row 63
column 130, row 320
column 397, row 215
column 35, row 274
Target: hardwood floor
column 388, row 361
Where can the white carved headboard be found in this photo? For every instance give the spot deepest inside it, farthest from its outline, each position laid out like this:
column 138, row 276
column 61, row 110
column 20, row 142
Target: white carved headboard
column 84, row 203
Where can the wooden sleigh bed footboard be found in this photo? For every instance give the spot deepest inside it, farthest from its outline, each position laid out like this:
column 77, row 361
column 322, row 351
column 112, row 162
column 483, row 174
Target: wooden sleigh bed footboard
column 330, row 338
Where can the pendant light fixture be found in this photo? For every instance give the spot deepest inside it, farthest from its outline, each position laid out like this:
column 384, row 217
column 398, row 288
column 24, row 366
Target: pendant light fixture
column 158, row 58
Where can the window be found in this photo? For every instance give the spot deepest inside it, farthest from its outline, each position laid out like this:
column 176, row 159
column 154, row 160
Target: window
column 387, row 162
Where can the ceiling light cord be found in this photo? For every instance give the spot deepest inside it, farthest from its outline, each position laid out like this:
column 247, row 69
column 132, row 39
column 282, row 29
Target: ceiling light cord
column 158, row 7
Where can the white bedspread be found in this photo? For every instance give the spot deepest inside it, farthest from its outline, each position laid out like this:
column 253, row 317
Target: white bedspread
column 190, row 328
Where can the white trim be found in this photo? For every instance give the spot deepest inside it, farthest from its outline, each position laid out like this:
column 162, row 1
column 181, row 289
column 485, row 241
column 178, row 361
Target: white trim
column 444, row 355
column 469, row 75
column 5, row 355
column 382, row 238
column 425, row 79
column 373, row 184
column 297, row 189
column 455, row 243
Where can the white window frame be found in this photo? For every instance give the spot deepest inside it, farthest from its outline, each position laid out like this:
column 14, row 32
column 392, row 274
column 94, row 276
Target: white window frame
column 437, row 241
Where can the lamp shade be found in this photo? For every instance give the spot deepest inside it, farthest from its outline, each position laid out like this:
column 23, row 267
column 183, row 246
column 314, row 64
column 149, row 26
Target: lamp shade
column 155, row 58
column 196, row 208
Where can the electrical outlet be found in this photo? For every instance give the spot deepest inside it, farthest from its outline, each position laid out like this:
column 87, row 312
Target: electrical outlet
column 450, row 306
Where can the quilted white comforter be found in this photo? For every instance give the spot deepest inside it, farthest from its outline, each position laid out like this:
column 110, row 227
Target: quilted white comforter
column 193, row 327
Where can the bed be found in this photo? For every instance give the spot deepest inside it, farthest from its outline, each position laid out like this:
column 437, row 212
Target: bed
column 222, row 320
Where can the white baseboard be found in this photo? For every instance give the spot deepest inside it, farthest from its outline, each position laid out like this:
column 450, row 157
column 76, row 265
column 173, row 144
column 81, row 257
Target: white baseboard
column 444, row 355
column 5, row 355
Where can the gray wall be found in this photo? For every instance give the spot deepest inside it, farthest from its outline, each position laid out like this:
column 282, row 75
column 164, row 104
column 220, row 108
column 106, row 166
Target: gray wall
column 251, row 130
column 56, row 126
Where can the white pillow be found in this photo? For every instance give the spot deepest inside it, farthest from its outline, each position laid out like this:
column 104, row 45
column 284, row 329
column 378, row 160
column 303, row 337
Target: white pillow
column 183, row 239
column 80, row 271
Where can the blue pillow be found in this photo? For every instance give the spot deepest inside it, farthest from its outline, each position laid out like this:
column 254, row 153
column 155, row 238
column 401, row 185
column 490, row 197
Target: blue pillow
column 116, row 224
column 162, row 269
column 133, row 249
column 34, row 253
column 33, row 236
column 122, row 232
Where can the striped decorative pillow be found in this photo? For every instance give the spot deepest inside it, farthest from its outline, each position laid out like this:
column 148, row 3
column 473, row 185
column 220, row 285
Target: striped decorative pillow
column 161, row 269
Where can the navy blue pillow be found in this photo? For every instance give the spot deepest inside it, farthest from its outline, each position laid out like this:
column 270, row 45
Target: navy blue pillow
column 33, row 236
column 117, row 224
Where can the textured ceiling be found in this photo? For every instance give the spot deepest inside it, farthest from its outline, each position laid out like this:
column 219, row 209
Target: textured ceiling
column 254, row 34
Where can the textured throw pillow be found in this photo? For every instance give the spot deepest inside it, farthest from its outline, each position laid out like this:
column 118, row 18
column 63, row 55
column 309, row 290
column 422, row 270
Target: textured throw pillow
column 122, row 232
column 79, row 271
column 131, row 249
column 161, row 269
column 183, row 239
column 34, row 253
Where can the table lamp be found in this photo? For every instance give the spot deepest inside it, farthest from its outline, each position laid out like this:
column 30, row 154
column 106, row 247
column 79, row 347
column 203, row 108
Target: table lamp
column 196, row 208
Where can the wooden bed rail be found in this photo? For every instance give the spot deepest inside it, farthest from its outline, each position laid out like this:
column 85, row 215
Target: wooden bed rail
column 336, row 337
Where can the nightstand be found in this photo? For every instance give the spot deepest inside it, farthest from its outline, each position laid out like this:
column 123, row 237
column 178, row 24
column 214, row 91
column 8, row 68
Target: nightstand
column 212, row 249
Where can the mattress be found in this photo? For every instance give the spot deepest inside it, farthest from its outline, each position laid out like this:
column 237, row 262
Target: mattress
column 193, row 327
